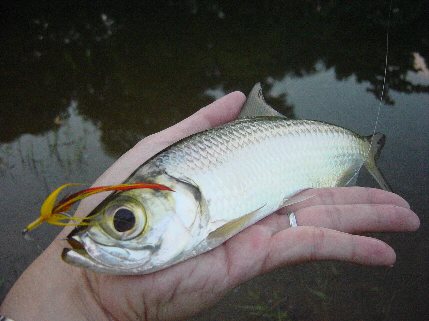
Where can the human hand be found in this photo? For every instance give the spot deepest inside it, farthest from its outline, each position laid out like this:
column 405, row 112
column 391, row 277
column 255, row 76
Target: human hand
column 189, row 287
column 184, row 289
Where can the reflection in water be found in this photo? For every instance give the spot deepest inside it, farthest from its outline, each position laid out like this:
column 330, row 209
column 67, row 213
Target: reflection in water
column 31, row 167
column 70, row 148
column 78, row 87
column 129, row 73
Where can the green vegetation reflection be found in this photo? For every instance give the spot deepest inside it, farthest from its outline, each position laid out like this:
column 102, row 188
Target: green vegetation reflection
column 134, row 72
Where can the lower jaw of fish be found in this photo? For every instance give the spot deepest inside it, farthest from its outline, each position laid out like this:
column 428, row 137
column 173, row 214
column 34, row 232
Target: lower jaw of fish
column 78, row 256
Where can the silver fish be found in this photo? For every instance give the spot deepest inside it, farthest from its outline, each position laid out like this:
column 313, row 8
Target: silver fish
column 224, row 179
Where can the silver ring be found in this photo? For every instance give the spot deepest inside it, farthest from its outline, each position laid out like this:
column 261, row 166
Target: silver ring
column 292, row 220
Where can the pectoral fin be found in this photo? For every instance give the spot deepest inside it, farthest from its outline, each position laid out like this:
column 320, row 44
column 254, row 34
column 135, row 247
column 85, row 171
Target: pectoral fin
column 231, row 228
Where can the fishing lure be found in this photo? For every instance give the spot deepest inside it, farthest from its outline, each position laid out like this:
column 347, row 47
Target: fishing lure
column 56, row 213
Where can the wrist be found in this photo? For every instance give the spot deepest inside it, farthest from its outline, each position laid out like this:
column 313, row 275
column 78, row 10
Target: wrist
column 52, row 290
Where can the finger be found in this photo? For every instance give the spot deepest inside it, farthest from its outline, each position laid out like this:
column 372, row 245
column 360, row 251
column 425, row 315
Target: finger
column 348, row 195
column 360, row 218
column 304, row 244
column 348, row 218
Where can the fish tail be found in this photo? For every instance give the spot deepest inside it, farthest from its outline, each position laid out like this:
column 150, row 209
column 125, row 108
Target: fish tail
column 376, row 142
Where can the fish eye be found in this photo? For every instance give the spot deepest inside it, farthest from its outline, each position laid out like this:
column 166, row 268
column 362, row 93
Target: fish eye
column 123, row 220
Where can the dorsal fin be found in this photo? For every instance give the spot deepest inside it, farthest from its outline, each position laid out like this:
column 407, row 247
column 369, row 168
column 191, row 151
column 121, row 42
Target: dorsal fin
column 255, row 105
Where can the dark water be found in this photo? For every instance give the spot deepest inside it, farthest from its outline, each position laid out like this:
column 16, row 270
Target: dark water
column 81, row 83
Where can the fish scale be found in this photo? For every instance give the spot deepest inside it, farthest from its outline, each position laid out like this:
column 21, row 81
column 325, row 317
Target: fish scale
column 261, row 161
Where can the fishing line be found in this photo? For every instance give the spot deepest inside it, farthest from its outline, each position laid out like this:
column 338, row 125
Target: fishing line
column 385, row 74
column 381, row 94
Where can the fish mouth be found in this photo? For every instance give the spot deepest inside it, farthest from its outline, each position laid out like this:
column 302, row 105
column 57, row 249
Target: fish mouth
column 79, row 254
column 75, row 242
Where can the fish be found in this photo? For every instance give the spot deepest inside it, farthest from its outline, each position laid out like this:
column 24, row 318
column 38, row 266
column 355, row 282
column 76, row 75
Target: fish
column 207, row 187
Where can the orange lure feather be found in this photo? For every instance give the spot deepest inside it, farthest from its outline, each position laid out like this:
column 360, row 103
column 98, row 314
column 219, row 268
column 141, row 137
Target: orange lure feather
column 54, row 213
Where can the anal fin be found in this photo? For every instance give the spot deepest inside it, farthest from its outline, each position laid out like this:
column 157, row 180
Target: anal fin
column 296, row 198
column 349, row 178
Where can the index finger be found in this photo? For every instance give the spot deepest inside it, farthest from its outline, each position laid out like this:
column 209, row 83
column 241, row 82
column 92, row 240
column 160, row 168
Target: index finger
column 308, row 243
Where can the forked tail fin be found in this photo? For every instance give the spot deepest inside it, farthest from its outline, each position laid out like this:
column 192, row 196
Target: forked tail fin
column 376, row 142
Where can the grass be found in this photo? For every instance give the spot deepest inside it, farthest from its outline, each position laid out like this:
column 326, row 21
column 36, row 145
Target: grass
column 274, row 310
column 267, row 312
